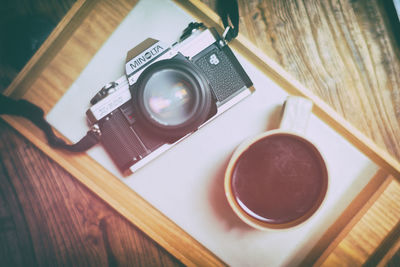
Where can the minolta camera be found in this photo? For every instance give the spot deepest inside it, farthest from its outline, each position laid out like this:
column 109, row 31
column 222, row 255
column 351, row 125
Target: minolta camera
column 168, row 92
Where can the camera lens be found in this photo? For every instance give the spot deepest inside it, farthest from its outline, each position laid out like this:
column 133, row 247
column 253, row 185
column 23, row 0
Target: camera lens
column 169, row 97
column 172, row 98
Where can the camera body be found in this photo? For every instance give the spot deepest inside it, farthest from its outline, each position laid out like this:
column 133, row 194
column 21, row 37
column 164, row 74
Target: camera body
column 168, row 92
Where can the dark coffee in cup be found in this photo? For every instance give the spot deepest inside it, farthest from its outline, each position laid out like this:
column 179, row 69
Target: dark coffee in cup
column 280, row 180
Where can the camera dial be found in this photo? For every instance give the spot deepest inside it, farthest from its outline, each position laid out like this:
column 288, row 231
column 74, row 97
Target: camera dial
column 107, row 89
column 190, row 29
column 172, row 98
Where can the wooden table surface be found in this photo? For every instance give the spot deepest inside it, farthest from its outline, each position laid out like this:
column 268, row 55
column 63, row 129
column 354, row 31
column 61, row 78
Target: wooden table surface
column 345, row 51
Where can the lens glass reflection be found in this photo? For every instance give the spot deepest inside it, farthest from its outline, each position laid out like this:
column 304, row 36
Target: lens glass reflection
column 169, row 97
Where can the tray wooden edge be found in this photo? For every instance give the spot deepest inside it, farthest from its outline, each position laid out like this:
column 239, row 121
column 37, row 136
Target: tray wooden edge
column 348, row 219
column 149, row 219
column 268, row 66
column 51, row 46
column 124, row 200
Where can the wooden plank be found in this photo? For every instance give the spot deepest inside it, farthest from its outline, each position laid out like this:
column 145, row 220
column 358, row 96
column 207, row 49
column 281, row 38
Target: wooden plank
column 392, row 251
column 343, row 225
column 78, row 165
column 293, row 86
column 59, row 36
column 390, row 244
column 373, row 234
column 123, row 199
column 343, row 51
column 47, row 218
column 45, row 91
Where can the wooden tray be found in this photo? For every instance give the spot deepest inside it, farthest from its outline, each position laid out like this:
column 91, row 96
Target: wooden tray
column 65, row 67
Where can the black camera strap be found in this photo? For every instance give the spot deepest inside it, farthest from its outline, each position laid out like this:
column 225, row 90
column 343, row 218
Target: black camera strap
column 228, row 11
column 35, row 114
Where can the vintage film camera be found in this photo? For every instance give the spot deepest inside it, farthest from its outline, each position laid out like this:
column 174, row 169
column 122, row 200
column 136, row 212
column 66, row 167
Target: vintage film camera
column 167, row 93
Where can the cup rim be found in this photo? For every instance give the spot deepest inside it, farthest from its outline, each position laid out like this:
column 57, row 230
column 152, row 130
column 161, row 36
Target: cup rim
column 243, row 215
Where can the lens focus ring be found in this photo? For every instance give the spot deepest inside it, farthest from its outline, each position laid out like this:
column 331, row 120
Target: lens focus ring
column 172, row 97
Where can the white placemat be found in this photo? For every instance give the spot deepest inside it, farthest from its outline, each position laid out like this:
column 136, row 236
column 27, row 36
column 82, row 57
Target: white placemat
column 186, row 183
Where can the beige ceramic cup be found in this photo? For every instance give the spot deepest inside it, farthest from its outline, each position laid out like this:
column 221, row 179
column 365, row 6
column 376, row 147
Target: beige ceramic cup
column 278, row 179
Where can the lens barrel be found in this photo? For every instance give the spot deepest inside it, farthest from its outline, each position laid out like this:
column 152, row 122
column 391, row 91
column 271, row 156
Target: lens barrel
column 172, row 98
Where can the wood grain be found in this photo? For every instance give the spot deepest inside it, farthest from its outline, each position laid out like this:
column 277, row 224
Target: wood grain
column 47, row 218
column 62, row 223
column 20, row 39
column 373, row 235
column 49, row 48
column 49, row 87
column 387, row 247
column 346, row 53
column 342, row 50
column 285, row 80
column 347, row 220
